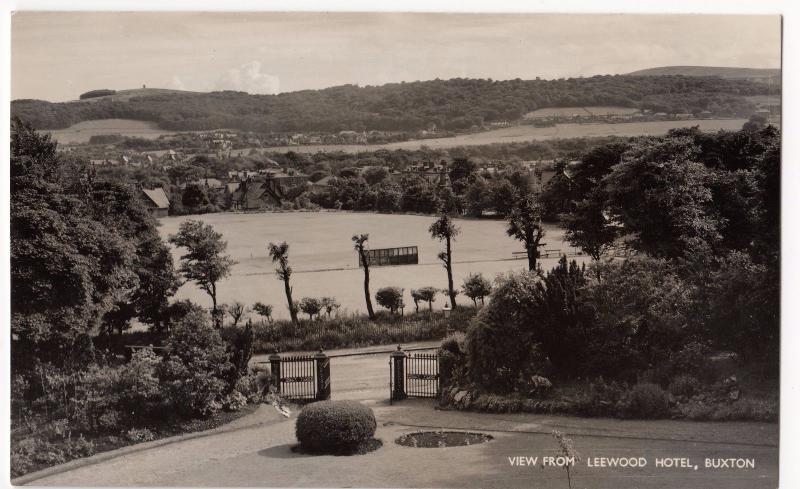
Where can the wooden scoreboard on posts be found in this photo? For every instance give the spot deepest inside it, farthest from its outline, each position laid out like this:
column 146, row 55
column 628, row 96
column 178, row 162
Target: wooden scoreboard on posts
column 403, row 255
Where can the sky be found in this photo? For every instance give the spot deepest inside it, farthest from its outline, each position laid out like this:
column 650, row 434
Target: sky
column 57, row 56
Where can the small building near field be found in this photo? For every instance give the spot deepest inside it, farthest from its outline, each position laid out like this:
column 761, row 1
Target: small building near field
column 156, row 201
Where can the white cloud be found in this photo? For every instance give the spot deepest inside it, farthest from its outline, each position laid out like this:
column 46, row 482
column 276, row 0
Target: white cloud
column 249, row 78
column 177, row 83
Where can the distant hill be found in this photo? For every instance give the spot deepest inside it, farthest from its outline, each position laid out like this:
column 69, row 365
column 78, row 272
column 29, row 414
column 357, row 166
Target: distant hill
column 752, row 74
column 457, row 104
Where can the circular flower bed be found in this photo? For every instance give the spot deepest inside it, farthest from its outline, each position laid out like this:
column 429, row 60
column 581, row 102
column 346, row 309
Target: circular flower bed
column 336, row 427
column 442, row 439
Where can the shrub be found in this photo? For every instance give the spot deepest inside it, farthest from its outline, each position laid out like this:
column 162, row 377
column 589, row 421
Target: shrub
column 456, row 344
column 335, row 426
column 500, row 339
column 251, row 386
column 195, row 365
column 330, row 304
column 646, row 401
column 79, row 447
column 424, row 294
column 264, row 310
column 744, row 306
column 22, row 456
column 110, row 420
column 693, row 357
column 311, row 306
column 602, row 398
column 453, row 359
column 476, row 287
column 139, row 387
column 96, row 392
column 391, row 298
column 240, row 342
column 642, row 309
column 747, row 410
column 234, row 401
column 536, row 386
column 140, row 434
column 684, row 385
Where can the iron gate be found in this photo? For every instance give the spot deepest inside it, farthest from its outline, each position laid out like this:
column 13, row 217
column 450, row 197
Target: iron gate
column 415, row 375
column 303, row 377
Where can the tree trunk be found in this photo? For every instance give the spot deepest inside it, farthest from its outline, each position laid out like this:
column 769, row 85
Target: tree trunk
column 531, row 246
column 292, row 310
column 450, row 276
column 214, row 313
column 370, row 312
column 531, row 258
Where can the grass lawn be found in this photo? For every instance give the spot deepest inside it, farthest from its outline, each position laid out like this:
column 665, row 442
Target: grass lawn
column 325, row 264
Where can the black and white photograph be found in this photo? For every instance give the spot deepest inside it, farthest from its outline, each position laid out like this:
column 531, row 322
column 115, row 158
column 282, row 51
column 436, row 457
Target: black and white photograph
column 402, row 249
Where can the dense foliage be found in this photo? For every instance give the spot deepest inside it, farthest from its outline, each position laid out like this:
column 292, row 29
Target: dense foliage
column 686, row 195
column 86, row 259
column 455, row 104
column 85, row 256
column 698, row 211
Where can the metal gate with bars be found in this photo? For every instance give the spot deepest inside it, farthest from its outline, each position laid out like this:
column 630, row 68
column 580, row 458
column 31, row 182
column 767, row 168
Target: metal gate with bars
column 302, row 378
column 414, row 375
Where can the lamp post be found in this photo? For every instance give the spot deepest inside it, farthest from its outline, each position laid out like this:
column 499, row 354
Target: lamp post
column 447, row 310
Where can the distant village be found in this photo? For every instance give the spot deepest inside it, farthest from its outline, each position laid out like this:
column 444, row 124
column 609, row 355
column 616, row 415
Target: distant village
column 254, row 190
column 231, row 186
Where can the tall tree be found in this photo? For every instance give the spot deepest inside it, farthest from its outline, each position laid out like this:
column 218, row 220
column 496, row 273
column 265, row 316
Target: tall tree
column 359, row 243
column 280, row 255
column 460, row 172
column 588, row 226
column 205, row 262
column 525, row 224
column 67, row 268
column 445, row 230
column 119, row 207
column 662, row 196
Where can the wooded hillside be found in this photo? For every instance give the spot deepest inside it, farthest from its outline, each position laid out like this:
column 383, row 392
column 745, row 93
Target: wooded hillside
column 449, row 104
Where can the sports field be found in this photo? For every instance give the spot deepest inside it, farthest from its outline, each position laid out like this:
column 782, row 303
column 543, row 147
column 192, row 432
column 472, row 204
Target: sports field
column 325, row 264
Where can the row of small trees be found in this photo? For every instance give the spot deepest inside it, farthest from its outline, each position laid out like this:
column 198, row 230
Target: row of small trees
column 476, row 287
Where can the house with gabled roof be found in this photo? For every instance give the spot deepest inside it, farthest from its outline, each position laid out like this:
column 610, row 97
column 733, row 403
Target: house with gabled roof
column 156, row 201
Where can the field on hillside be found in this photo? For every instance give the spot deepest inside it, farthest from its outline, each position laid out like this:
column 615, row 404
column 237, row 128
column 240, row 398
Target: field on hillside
column 81, row 132
column 764, row 99
column 580, row 111
column 325, row 264
column 521, row 134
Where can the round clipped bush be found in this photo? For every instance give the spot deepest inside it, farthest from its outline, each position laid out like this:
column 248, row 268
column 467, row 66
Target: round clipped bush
column 647, row 401
column 335, row 426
